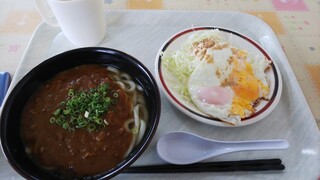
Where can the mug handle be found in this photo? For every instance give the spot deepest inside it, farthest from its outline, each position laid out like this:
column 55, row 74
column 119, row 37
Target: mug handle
column 46, row 12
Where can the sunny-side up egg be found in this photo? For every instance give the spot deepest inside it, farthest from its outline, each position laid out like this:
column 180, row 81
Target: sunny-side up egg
column 228, row 82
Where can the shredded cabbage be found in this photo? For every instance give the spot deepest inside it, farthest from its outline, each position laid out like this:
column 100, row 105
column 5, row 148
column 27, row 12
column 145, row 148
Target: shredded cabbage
column 179, row 64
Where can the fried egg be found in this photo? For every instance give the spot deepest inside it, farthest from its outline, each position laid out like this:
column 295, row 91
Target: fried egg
column 228, row 82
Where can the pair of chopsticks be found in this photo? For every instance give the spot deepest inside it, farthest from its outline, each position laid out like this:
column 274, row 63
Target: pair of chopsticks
column 222, row 166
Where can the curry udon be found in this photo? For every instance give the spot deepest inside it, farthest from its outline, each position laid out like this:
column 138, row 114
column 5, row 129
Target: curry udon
column 84, row 120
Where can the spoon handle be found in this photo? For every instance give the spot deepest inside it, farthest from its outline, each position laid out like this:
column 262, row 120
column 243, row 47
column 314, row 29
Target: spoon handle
column 255, row 145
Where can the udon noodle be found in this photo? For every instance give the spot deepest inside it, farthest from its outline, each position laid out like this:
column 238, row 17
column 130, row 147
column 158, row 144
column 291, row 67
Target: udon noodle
column 137, row 124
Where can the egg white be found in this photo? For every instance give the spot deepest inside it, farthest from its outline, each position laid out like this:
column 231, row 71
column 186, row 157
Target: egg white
column 205, row 75
column 213, row 70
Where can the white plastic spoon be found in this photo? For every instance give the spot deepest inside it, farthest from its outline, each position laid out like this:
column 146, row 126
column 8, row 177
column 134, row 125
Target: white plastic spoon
column 186, row 148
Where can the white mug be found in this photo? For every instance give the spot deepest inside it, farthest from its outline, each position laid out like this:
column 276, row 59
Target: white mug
column 81, row 21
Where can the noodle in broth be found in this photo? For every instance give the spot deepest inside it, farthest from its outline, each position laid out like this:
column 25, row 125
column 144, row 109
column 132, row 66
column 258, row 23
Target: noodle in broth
column 81, row 152
column 136, row 125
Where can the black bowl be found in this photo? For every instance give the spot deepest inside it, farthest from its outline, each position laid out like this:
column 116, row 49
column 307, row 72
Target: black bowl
column 11, row 114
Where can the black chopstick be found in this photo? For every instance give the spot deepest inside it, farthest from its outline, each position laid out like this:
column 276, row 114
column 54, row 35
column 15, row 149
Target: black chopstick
column 222, row 166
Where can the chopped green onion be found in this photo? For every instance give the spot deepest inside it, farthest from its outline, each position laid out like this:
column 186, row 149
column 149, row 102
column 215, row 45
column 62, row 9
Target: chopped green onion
column 91, row 127
column 66, row 111
column 114, row 101
column 52, row 120
column 134, row 130
column 57, row 112
column 71, row 93
column 115, row 95
column 65, row 125
column 86, row 114
column 85, row 109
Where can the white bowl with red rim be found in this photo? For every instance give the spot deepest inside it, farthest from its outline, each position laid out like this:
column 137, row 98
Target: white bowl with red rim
column 236, row 39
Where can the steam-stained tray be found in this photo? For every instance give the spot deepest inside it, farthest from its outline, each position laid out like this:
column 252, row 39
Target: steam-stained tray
column 141, row 34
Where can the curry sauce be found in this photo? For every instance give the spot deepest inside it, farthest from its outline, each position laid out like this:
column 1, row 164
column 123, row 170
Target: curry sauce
column 79, row 152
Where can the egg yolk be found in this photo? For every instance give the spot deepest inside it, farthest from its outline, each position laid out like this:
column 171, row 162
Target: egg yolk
column 247, row 88
column 215, row 95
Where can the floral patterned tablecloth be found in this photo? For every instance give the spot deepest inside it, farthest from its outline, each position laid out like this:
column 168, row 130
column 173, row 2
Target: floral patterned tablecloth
column 295, row 22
